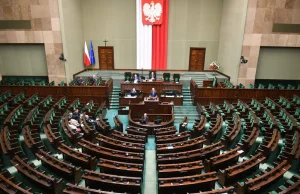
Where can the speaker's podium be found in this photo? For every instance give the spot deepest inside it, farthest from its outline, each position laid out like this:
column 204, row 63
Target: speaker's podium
column 160, row 114
column 151, row 103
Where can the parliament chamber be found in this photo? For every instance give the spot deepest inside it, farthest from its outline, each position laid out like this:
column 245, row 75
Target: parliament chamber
column 149, row 97
column 243, row 143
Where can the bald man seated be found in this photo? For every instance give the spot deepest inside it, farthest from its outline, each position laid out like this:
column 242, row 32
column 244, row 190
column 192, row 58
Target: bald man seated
column 144, row 119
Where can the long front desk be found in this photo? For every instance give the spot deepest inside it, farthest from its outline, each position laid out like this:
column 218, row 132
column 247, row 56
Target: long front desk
column 146, row 87
column 125, row 101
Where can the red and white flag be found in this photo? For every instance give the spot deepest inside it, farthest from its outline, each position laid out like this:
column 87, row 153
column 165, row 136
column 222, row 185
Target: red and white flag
column 152, row 12
column 86, row 58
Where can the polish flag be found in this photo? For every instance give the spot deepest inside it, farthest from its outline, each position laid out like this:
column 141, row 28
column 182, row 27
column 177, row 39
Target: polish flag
column 87, row 61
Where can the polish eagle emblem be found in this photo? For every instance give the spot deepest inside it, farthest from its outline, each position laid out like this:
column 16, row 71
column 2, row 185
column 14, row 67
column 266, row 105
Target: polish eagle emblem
column 152, row 11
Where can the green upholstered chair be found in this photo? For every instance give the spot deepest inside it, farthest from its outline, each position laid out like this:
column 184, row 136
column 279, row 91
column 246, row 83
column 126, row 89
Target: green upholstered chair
column 215, row 82
column 127, row 76
column 176, row 77
column 166, row 77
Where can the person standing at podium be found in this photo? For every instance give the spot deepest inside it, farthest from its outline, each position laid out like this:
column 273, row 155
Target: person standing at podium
column 153, row 93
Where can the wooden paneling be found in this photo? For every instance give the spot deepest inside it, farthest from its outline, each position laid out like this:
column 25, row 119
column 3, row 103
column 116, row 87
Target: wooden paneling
column 85, row 93
column 218, row 95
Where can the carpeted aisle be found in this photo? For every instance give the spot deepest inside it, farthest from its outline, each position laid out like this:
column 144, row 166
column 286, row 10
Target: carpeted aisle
column 150, row 173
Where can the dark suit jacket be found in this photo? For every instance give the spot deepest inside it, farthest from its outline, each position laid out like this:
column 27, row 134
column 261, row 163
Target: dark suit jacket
column 145, row 119
column 133, row 92
column 153, row 93
column 75, row 115
column 79, row 81
column 93, row 80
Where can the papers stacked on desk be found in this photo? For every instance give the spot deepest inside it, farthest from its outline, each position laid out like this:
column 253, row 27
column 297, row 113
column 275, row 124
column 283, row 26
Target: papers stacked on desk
column 129, row 96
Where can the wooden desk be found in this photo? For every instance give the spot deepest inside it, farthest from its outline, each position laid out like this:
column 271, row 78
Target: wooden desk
column 111, row 154
column 146, row 87
column 180, row 169
column 109, row 182
column 187, row 183
column 35, row 174
column 8, row 184
column 120, row 145
column 69, row 171
column 125, row 101
column 128, row 137
column 257, row 184
column 223, row 160
column 180, row 146
column 153, row 108
column 178, row 101
column 168, row 120
column 240, row 170
column 120, row 168
column 77, row 157
column 72, row 189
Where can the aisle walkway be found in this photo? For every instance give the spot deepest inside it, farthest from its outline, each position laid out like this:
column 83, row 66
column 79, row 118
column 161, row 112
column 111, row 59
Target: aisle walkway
column 150, row 173
column 186, row 110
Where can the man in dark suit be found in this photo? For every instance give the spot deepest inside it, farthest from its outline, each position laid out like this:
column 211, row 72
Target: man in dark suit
column 153, row 93
column 76, row 115
column 152, row 76
column 91, row 121
column 79, row 80
column 144, row 118
column 93, row 80
column 133, row 92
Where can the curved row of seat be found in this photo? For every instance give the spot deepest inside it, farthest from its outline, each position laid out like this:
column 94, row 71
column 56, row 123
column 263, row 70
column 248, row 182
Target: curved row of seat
column 246, row 121
column 187, row 161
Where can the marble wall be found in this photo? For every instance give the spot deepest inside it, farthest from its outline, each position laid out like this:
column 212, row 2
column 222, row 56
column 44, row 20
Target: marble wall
column 261, row 15
column 44, row 17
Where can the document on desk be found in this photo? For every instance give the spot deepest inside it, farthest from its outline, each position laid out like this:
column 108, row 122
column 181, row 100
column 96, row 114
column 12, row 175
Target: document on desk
column 240, row 151
column 129, row 96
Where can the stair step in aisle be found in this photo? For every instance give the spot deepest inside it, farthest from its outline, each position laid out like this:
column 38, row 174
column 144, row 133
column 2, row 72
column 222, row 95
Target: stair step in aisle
column 187, row 110
column 114, row 98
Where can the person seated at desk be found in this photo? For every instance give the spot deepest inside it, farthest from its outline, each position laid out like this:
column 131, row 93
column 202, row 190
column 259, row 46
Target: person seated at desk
column 90, row 121
column 76, row 115
column 73, row 121
column 75, row 128
column 135, row 78
column 93, row 80
column 70, row 116
column 153, row 93
column 133, row 92
column 79, row 80
column 152, row 76
column 144, row 119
